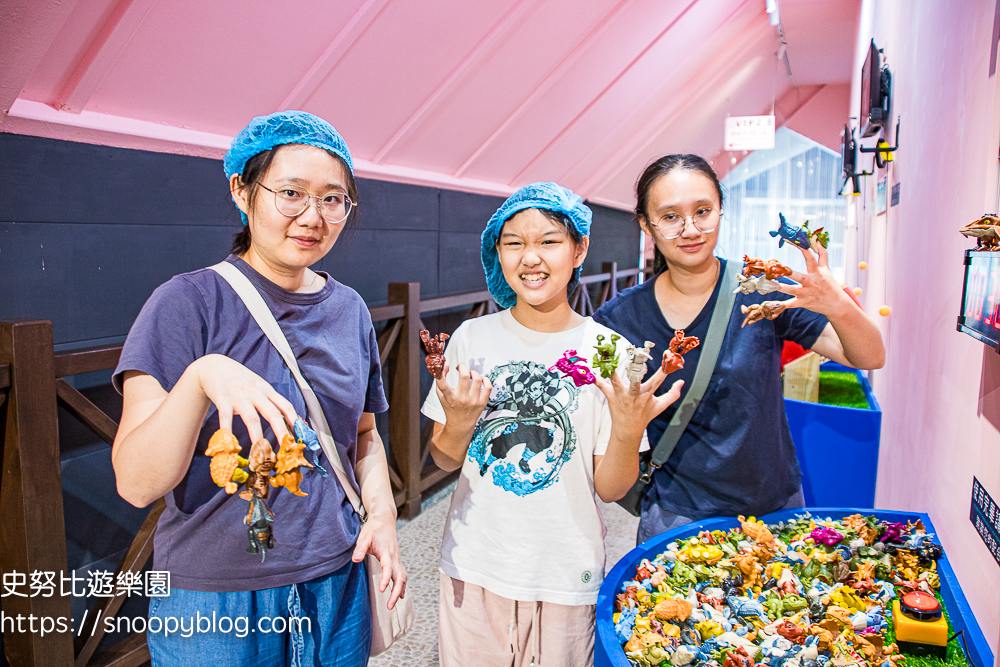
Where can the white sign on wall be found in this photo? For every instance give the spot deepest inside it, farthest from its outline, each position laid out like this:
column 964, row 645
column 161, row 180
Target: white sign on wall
column 749, row 133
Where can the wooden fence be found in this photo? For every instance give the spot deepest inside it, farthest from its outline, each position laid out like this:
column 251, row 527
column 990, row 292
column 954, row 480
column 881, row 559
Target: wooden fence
column 32, row 385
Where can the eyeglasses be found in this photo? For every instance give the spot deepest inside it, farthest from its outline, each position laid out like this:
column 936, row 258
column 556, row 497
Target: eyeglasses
column 292, row 201
column 671, row 224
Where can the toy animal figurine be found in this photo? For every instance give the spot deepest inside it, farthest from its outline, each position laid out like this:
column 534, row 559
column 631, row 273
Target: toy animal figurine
column 679, row 345
column 799, row 236
column 290, row 459
column 606, row 360
column 227, row 464
column 575, row 368
column 261, row 463
column 638, row 356
column 986, row 231
column 753, row 284
column 772, row 269
column 434, row 347
column 258, row 521
column 673, row 609
column 308, row 437
column 756, row 312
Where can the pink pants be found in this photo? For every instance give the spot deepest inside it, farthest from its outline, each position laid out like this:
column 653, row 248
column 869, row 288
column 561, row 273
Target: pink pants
column 480, row 628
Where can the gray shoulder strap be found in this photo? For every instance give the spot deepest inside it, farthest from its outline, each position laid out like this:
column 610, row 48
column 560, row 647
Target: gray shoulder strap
column 706, row 365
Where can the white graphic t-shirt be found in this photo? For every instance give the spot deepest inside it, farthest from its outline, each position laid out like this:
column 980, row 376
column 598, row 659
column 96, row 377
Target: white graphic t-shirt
column 524, row 521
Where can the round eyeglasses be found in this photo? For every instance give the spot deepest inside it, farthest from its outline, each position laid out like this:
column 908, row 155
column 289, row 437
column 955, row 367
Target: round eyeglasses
column 292, row 201
column 672, row 224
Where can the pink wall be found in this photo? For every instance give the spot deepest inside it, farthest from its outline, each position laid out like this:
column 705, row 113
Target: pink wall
column 939, row 388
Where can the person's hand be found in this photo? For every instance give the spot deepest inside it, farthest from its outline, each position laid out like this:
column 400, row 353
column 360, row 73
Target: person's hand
column 378, row 538
column 634, row 405
column 463, row 404
column 235, row 389
column 817, row 289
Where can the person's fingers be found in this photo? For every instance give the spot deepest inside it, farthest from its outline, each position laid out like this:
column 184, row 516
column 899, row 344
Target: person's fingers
column 811, row 265
column 487, row 387
column 361, row 548
column 270, row 412
column 285, row 407
column 655, row 380
column 398, row 585
column 788, row 289
column 606, row 387
column 796, row 276
column 248, row 413
column 475, row 384
column 386, row 562
column 821, row 251
column 225, row 416
column 444, row 389
column 792, row 303
column 672, row 395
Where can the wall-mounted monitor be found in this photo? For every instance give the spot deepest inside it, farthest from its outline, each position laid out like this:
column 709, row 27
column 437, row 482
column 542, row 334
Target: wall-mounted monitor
column 980, row 314
column 875, row 83
column 848, row 153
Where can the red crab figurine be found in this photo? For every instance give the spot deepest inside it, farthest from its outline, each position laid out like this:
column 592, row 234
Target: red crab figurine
column 679, row 345
column 434, row 346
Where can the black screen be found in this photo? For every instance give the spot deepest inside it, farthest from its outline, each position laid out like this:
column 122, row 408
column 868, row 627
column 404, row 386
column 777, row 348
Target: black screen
column 980, row 316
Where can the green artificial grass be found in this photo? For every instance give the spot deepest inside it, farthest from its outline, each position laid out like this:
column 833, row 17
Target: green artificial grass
column 955, row 654
column 841, row 388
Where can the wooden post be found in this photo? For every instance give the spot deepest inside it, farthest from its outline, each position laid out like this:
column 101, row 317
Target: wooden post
column 31, row 500
column 404, row 410
column 612, row 289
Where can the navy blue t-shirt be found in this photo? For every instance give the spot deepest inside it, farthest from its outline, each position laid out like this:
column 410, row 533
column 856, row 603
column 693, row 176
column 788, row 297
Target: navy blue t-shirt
column 736, row 456
column 200, row 537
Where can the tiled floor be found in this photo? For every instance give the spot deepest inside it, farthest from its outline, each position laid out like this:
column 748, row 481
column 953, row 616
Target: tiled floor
column 420, row 543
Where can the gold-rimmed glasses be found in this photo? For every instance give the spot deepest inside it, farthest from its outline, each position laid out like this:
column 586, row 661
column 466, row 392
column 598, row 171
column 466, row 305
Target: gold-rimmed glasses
column 671, row 224
column 292, row 201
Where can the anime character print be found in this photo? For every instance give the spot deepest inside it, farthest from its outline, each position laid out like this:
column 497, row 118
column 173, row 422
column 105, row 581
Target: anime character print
column 526, row 435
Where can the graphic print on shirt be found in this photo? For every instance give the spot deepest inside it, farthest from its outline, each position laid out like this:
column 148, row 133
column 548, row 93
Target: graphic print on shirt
column 528, row 413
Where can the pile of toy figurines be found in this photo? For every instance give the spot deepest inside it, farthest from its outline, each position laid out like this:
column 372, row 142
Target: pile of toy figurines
column 986, row 231
column 262, row 470
column 760, row 276
column 806, row 593
column 575, row 367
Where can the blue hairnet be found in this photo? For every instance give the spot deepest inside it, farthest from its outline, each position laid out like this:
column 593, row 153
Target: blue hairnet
column 284, row 127
column 549, row 196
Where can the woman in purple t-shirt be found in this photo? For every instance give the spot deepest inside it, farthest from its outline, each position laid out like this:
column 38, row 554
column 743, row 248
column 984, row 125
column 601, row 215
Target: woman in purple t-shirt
column 196, row 361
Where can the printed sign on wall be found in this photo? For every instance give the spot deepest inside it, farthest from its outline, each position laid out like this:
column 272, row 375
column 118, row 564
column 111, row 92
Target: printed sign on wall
column 749, row 133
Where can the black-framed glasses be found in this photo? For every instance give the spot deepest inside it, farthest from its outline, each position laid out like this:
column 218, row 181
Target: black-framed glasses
column 672, row 224
column 292, row 201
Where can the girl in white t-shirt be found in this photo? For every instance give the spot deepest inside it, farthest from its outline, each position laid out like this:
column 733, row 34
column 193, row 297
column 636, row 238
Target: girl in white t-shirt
column 523, row 552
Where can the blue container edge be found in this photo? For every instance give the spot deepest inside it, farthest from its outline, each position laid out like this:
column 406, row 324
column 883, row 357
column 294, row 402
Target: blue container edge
column 608, row 652
column 866, row 386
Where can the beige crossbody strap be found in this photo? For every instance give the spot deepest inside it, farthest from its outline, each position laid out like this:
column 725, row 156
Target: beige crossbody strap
column 265, row 319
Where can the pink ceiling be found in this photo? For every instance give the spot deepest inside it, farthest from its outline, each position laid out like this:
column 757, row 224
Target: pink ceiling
column 480, row 95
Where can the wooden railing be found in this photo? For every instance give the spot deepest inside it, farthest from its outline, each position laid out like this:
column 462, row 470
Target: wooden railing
column 33, row 383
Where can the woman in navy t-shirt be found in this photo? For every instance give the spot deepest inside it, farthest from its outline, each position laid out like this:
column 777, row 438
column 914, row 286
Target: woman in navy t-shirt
column 737, row 455
column 196, row 360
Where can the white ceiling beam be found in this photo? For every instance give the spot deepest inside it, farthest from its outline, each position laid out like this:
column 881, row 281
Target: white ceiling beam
column 604, row 90
column 595, row 31
column 29, row 28
column 485, row 46
column 101, row 54
column 332, row 55
column 708, row 79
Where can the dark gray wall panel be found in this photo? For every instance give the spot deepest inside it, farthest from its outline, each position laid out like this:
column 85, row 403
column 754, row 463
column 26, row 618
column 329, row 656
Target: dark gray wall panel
column 47, row 180
column 466, row 212
column 396, row 206
column 91, row 280
column 372, row 259
column 461, row 265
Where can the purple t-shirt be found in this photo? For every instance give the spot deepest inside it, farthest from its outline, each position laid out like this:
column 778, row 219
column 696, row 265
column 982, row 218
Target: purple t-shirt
column 200, row 537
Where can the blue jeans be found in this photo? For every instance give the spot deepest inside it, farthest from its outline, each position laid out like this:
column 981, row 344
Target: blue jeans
column 325, row 621
column 655, row 520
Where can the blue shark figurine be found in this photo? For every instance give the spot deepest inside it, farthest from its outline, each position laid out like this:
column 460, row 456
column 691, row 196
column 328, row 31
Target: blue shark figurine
column 798, row 236
column 308, row 436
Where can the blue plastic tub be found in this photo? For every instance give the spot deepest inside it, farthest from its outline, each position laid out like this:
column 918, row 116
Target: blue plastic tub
column 608, row 652
column 829, row 437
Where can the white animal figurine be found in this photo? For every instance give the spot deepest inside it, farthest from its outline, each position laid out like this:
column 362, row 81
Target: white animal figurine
column 638, row 356
column 751, row 284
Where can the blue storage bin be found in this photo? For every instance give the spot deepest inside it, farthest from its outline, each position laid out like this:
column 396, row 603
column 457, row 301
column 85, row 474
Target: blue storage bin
column 608, row 652
column 829, row 440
